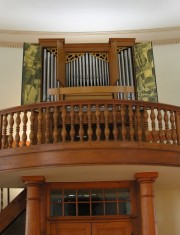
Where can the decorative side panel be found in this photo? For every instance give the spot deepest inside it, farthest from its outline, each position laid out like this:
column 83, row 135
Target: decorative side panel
column 32, row 74
column 145, row 72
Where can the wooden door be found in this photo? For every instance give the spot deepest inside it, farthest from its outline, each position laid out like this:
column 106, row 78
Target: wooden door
column 106, row 228
column 109, row 228
column 71, row 229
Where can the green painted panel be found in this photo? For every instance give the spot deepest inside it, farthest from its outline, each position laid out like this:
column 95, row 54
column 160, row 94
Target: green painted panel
column 32, row 74
column 145, row 72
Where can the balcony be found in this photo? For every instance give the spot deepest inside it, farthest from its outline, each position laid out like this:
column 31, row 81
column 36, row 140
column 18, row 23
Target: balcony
column 89, row 132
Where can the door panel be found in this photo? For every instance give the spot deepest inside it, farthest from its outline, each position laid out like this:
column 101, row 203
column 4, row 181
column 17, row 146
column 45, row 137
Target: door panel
column 71, row 229
column 109, row 228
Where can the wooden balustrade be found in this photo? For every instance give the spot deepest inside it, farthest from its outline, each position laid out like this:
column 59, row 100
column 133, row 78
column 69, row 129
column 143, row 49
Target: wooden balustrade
column 77, row 121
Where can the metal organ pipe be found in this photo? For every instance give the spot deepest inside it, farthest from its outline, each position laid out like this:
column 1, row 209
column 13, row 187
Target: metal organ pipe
column 49, row 79
column 125, row 70
column 87, row 70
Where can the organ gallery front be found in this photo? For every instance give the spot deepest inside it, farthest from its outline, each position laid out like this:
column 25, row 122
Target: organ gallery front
column 81, row 77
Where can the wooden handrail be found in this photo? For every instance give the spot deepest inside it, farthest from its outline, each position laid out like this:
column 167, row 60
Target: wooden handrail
column 93, row 91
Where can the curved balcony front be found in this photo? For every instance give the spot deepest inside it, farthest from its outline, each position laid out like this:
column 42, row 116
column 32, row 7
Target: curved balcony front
column 90, row 132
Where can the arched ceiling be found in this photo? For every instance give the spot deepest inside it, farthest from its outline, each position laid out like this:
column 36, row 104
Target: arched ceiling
column 88, row 16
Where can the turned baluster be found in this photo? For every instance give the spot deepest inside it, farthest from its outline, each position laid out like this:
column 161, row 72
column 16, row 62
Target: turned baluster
column 76, row 117
column 32, row 135
column 89, row 131
column 115, row 129
column 68, row 119
column 177, row 120
column 98, row 129
column 47, row 126
column 153, row 124
column 106, row 118
column 4, row 138
column 124, row 131
column 1, row 119
column 11, row 124
column 81, row 130
column 24, row 135
column 63, row 132
column 173, row 127
column 55, row 129
column 110, row 117
column 167, row 132
column 93, row 117
column 72, row 131
column 161, row 133
column 139, row 127
column 39, row 133
column 17, row 136
column 131, row 127
column 146, row 129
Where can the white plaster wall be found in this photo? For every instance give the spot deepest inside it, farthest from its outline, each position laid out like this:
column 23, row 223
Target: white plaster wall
column 167, row 65
column 167, row 203
column 10, row 76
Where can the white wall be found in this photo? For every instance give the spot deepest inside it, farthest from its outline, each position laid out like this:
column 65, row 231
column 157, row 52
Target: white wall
column 10, row 76
column 167, row 203
column 167, row 65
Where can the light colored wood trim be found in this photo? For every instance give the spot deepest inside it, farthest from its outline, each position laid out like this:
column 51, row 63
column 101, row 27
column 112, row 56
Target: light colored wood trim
column 90, row 90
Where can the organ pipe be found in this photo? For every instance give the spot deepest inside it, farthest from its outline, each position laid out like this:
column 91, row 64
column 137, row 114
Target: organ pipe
column 87, row 70
column 125, row 70
column 49, row 79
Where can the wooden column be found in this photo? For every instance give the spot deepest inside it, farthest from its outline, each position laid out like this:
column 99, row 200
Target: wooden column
column 113, row 62
column 146, row 181
column 61, row 67
column 33, row 221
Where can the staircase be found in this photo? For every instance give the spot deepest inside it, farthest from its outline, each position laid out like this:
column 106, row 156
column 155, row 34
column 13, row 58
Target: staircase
column 12, row 211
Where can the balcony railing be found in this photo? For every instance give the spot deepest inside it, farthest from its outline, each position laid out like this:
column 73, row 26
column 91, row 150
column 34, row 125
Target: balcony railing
column 100, row 120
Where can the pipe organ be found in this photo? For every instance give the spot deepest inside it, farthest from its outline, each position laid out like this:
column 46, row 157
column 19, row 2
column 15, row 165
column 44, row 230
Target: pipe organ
column 81, row 65
column 125, row 70
column 87, row 70
column 49, row 78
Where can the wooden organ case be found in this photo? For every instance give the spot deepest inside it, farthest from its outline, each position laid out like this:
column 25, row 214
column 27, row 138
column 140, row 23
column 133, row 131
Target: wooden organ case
column 88, row 70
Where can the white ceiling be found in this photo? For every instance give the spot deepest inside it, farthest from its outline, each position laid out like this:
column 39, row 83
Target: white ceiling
column 88, row 16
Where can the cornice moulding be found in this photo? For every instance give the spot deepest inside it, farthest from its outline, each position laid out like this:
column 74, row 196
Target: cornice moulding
column 91, row 33
column 11, row 44
column 155, row 43
column 159, row 36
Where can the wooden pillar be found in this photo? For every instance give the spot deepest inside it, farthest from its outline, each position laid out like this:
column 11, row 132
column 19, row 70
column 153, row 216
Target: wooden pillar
column 113, row 62
column 146, row 181
column 33, row 217
column 61, row 66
